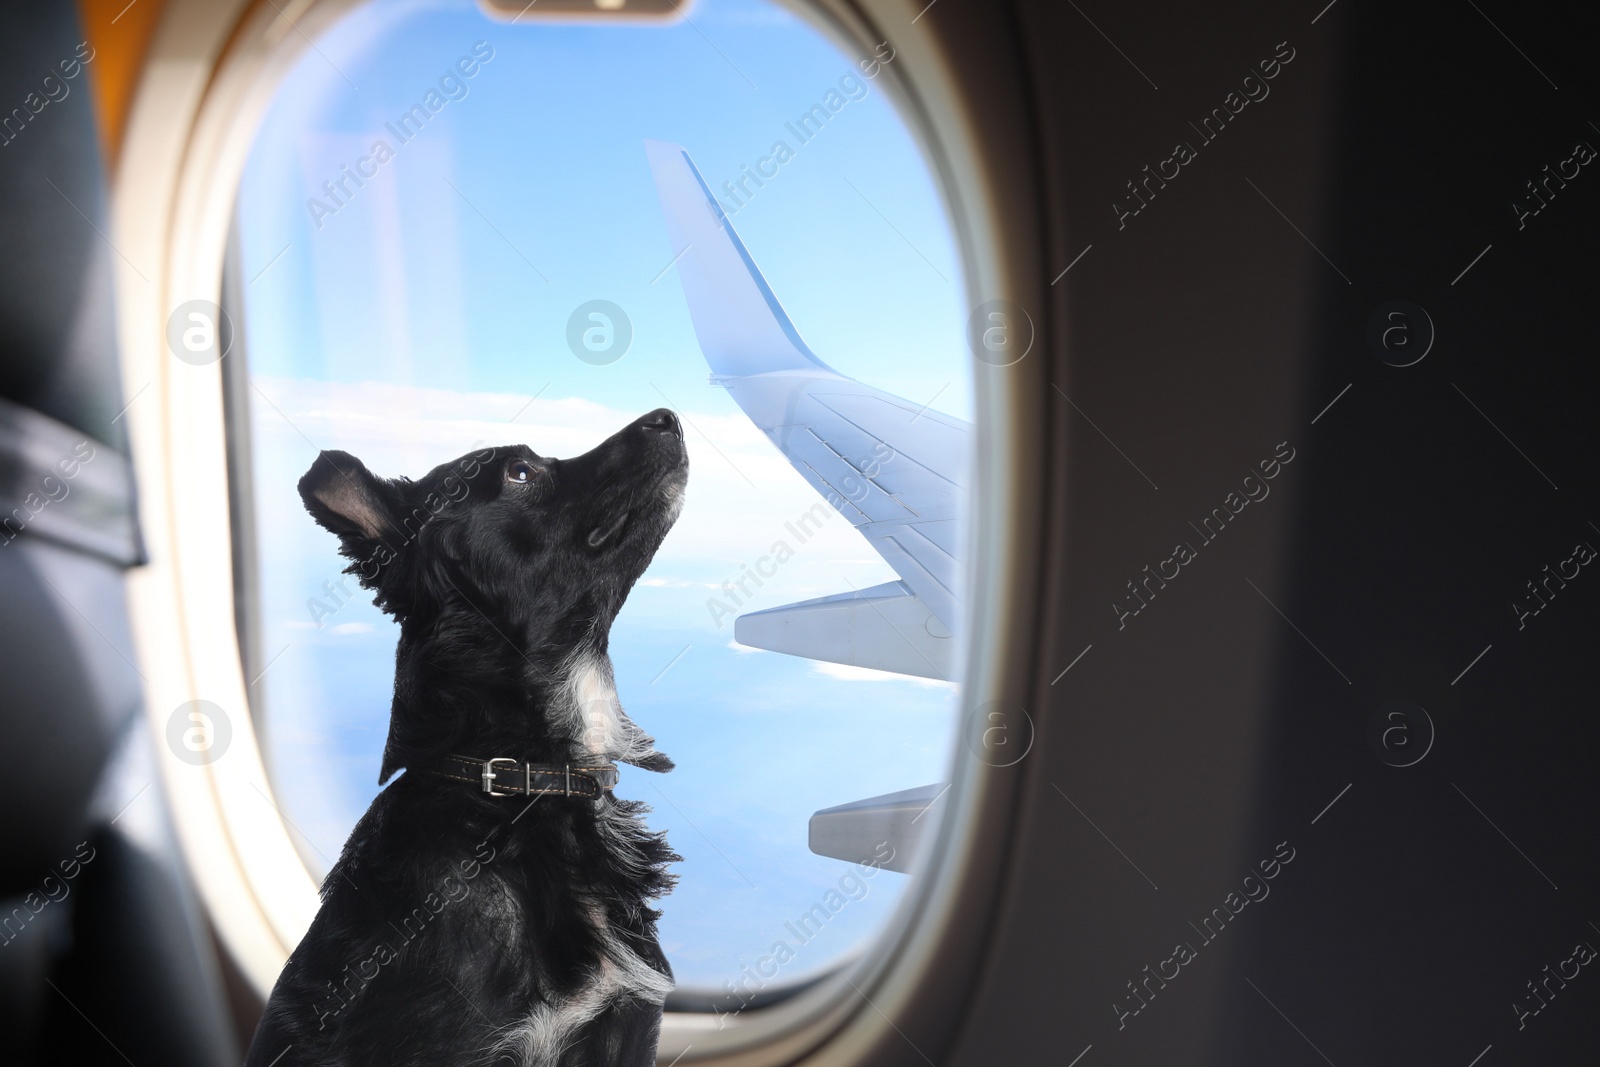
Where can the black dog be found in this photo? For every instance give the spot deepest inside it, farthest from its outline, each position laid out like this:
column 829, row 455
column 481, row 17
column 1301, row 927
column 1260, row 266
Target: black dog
column 492, row 904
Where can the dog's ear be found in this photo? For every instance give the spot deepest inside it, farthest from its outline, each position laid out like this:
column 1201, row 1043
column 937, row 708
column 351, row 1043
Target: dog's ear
column 347, row 500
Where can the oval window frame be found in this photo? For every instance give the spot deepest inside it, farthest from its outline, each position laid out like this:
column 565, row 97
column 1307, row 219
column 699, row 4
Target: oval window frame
column 209, row 75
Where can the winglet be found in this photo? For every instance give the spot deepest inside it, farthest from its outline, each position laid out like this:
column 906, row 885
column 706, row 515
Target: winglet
column 741, row 327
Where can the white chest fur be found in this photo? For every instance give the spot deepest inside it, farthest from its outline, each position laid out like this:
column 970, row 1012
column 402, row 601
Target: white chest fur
column 545, row 1032
column 596, row 718
column 597, row 714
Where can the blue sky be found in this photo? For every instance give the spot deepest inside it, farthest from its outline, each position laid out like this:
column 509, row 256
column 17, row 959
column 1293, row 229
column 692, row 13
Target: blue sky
column 428, row 313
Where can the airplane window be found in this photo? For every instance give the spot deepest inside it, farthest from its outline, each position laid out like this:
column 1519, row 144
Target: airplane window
column 456, row 230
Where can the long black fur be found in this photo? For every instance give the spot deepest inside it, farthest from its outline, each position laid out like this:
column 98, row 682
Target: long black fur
column 453, row 916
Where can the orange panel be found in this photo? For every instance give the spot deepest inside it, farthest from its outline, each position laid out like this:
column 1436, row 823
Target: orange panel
column 119, row 31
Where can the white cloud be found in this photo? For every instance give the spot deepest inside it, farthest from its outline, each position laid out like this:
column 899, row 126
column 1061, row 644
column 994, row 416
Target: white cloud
column 846, row 672
column 741, row 494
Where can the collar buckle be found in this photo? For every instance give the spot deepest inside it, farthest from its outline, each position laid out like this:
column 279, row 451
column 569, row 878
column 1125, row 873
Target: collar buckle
column 489, row 775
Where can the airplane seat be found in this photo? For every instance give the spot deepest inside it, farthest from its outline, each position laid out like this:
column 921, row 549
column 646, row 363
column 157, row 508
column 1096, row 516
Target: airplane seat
column 102, row 941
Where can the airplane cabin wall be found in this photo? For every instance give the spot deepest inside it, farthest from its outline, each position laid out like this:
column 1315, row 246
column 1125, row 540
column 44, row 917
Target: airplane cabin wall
column 1237, row 711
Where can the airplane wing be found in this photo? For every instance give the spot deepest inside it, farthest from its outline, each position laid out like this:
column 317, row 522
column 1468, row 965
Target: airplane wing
column 895, row 469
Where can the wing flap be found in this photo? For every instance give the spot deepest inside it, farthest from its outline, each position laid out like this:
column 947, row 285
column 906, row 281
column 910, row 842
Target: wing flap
column 884, row 831
column 885, row 628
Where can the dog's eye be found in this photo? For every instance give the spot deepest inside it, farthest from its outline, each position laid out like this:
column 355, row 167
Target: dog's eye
column 520, row 471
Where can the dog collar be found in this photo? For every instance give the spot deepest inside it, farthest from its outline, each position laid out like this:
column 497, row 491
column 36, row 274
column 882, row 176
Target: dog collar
column 503, row 776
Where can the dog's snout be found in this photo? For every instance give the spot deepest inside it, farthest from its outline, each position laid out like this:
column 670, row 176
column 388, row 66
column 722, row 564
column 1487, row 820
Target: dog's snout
column 662, row 420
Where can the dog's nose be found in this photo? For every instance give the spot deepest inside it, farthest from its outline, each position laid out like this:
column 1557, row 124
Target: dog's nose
column 662, row 421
